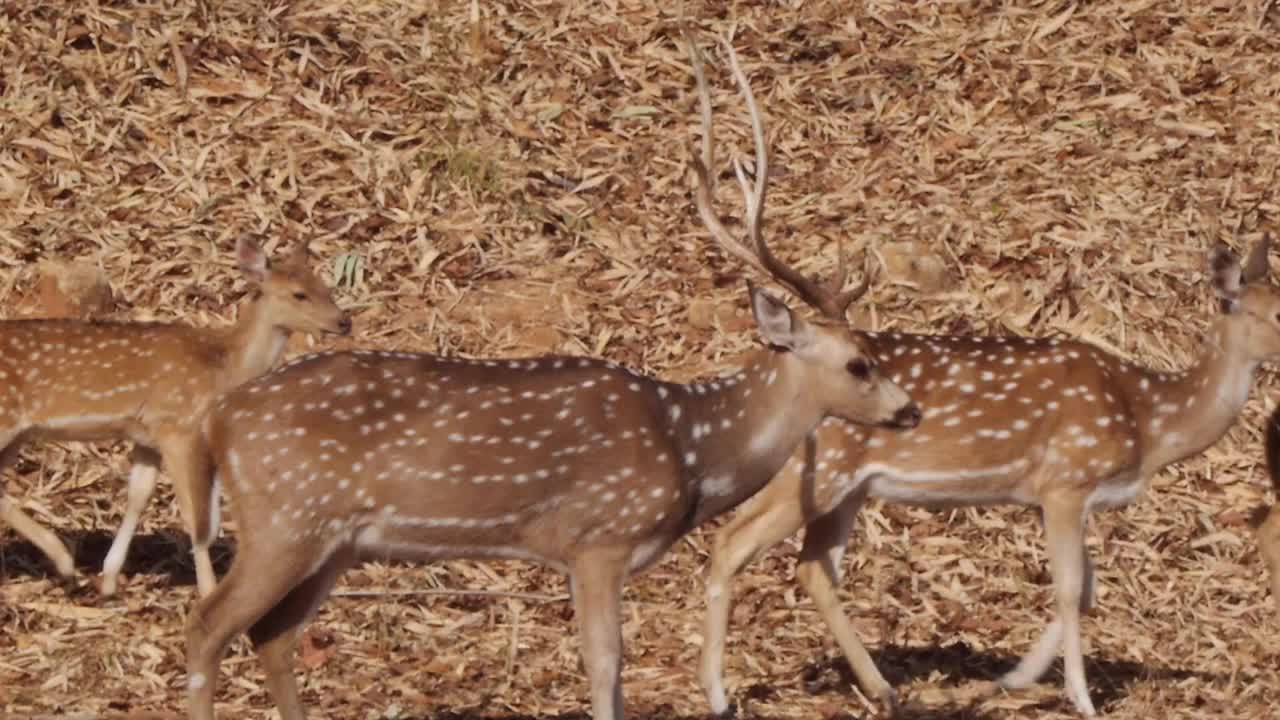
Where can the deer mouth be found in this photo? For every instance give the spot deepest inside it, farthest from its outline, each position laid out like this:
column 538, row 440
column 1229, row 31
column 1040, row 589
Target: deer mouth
column 907, row 417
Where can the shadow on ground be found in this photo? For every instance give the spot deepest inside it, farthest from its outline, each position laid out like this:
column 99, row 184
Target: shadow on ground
column 1109, row 680
column 161, row 553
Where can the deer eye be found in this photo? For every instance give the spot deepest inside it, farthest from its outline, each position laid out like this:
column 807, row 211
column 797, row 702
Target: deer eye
column 299, row 295
column 859, row 368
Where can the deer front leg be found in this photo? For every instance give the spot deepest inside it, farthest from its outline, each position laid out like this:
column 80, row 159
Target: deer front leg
column 257, row 583
column 38, row 535
column 275, row 636
column 758, row 526
column 24, row 524
column 1036, row 663
column 1269, row 547
column 597, row 598
column 1073, row 585
column 819, row 571
column 142, row 483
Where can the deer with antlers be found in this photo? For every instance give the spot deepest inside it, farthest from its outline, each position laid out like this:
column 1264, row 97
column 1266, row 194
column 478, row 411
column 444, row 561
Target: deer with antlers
column 571, row 462
column 149, row 383
column 1058, row 425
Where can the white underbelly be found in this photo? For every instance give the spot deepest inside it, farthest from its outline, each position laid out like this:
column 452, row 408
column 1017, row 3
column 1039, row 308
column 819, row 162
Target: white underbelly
column 995, row 485
column 1116, row 492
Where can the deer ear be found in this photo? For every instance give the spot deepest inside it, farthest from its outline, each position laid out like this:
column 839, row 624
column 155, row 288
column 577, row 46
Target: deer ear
column 251, row 259
column 1225, row 276
column 779, row 325
column 1258, row 266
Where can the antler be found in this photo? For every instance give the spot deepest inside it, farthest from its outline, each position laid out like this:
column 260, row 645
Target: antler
column 828, row 301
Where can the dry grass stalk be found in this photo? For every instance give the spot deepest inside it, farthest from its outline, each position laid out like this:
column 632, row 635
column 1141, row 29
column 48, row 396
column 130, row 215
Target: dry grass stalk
column 1070, row 182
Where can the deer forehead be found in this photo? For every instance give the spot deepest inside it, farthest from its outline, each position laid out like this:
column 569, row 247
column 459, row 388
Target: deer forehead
column 836, row 346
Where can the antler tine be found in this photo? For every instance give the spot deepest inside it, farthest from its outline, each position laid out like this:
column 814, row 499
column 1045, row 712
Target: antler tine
column 826, row 301
column 704, row 193
column 754, row 196
column 704, row 103
column 758, row 254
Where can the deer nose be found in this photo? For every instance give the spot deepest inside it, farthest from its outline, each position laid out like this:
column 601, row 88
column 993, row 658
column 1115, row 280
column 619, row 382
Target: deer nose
column 908, row 416
column 344, row 326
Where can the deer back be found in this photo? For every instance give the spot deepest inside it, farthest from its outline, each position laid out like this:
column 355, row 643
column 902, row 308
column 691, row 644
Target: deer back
column 418, row 451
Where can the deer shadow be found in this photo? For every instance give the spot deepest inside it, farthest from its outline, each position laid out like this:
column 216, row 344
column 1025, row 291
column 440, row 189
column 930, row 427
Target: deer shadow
column 159, row 553
column 1109, row 679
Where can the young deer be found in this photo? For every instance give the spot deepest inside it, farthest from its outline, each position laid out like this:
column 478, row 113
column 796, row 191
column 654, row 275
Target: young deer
column 572, row 462
column 1058, row 425
column 148, row 383
column 1269, row 530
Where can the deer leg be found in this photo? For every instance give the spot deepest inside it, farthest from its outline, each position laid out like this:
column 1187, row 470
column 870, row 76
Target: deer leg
column 597, row 598
column 1073, row 585
column 188, row 464
column 142, row 483
column 756, row 528
column 275, row 636
column 255, row 585
column 1269, row 547
column 38, row 535
column 27, row 526
column 819, row 571
column 1035, row 663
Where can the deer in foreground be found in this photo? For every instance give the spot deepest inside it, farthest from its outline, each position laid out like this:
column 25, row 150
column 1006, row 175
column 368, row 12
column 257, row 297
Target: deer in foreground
column 1269, row 530
column 571, row 462
column 148, row 383
column 1057, row 425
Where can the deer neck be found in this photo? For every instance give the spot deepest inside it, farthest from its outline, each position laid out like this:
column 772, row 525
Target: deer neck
column 255, row 344
column 1193, row 409
column 736, row 432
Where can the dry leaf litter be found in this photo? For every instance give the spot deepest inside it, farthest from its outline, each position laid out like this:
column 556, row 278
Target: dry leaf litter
column 508, row 178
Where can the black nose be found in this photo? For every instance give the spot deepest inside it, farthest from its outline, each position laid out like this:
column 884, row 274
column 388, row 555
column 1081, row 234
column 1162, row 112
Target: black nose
column 908, row 416
column 344, row 326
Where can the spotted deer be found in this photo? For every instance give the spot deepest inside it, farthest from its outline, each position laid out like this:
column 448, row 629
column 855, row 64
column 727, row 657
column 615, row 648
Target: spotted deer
column 1054, row 424
column 148, row 383
column 575, row 463
column 1269, row 530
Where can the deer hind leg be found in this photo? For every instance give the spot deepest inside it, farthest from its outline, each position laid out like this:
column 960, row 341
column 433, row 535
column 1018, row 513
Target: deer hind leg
column 597, row 598
column 257, row 584
column 757, row 527
column 188, row 463
column 142, row 483
column 24, row 524
column 1073, row 584
column 819, row 571
column 275, row 636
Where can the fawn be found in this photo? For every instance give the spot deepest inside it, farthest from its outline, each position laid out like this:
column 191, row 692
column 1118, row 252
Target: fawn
column 149, row 383
column 571, row 462
column 1053, row 424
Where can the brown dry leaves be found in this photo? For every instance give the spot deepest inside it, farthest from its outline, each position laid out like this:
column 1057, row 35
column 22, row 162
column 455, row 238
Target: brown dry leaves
column 512, row 175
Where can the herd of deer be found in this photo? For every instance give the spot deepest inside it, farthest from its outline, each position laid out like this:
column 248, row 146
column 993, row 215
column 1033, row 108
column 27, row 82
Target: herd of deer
column 596, row 470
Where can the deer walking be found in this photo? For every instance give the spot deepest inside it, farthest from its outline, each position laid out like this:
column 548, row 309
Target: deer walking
column 1057, row 425
column 572, row 462
column 149, row 383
